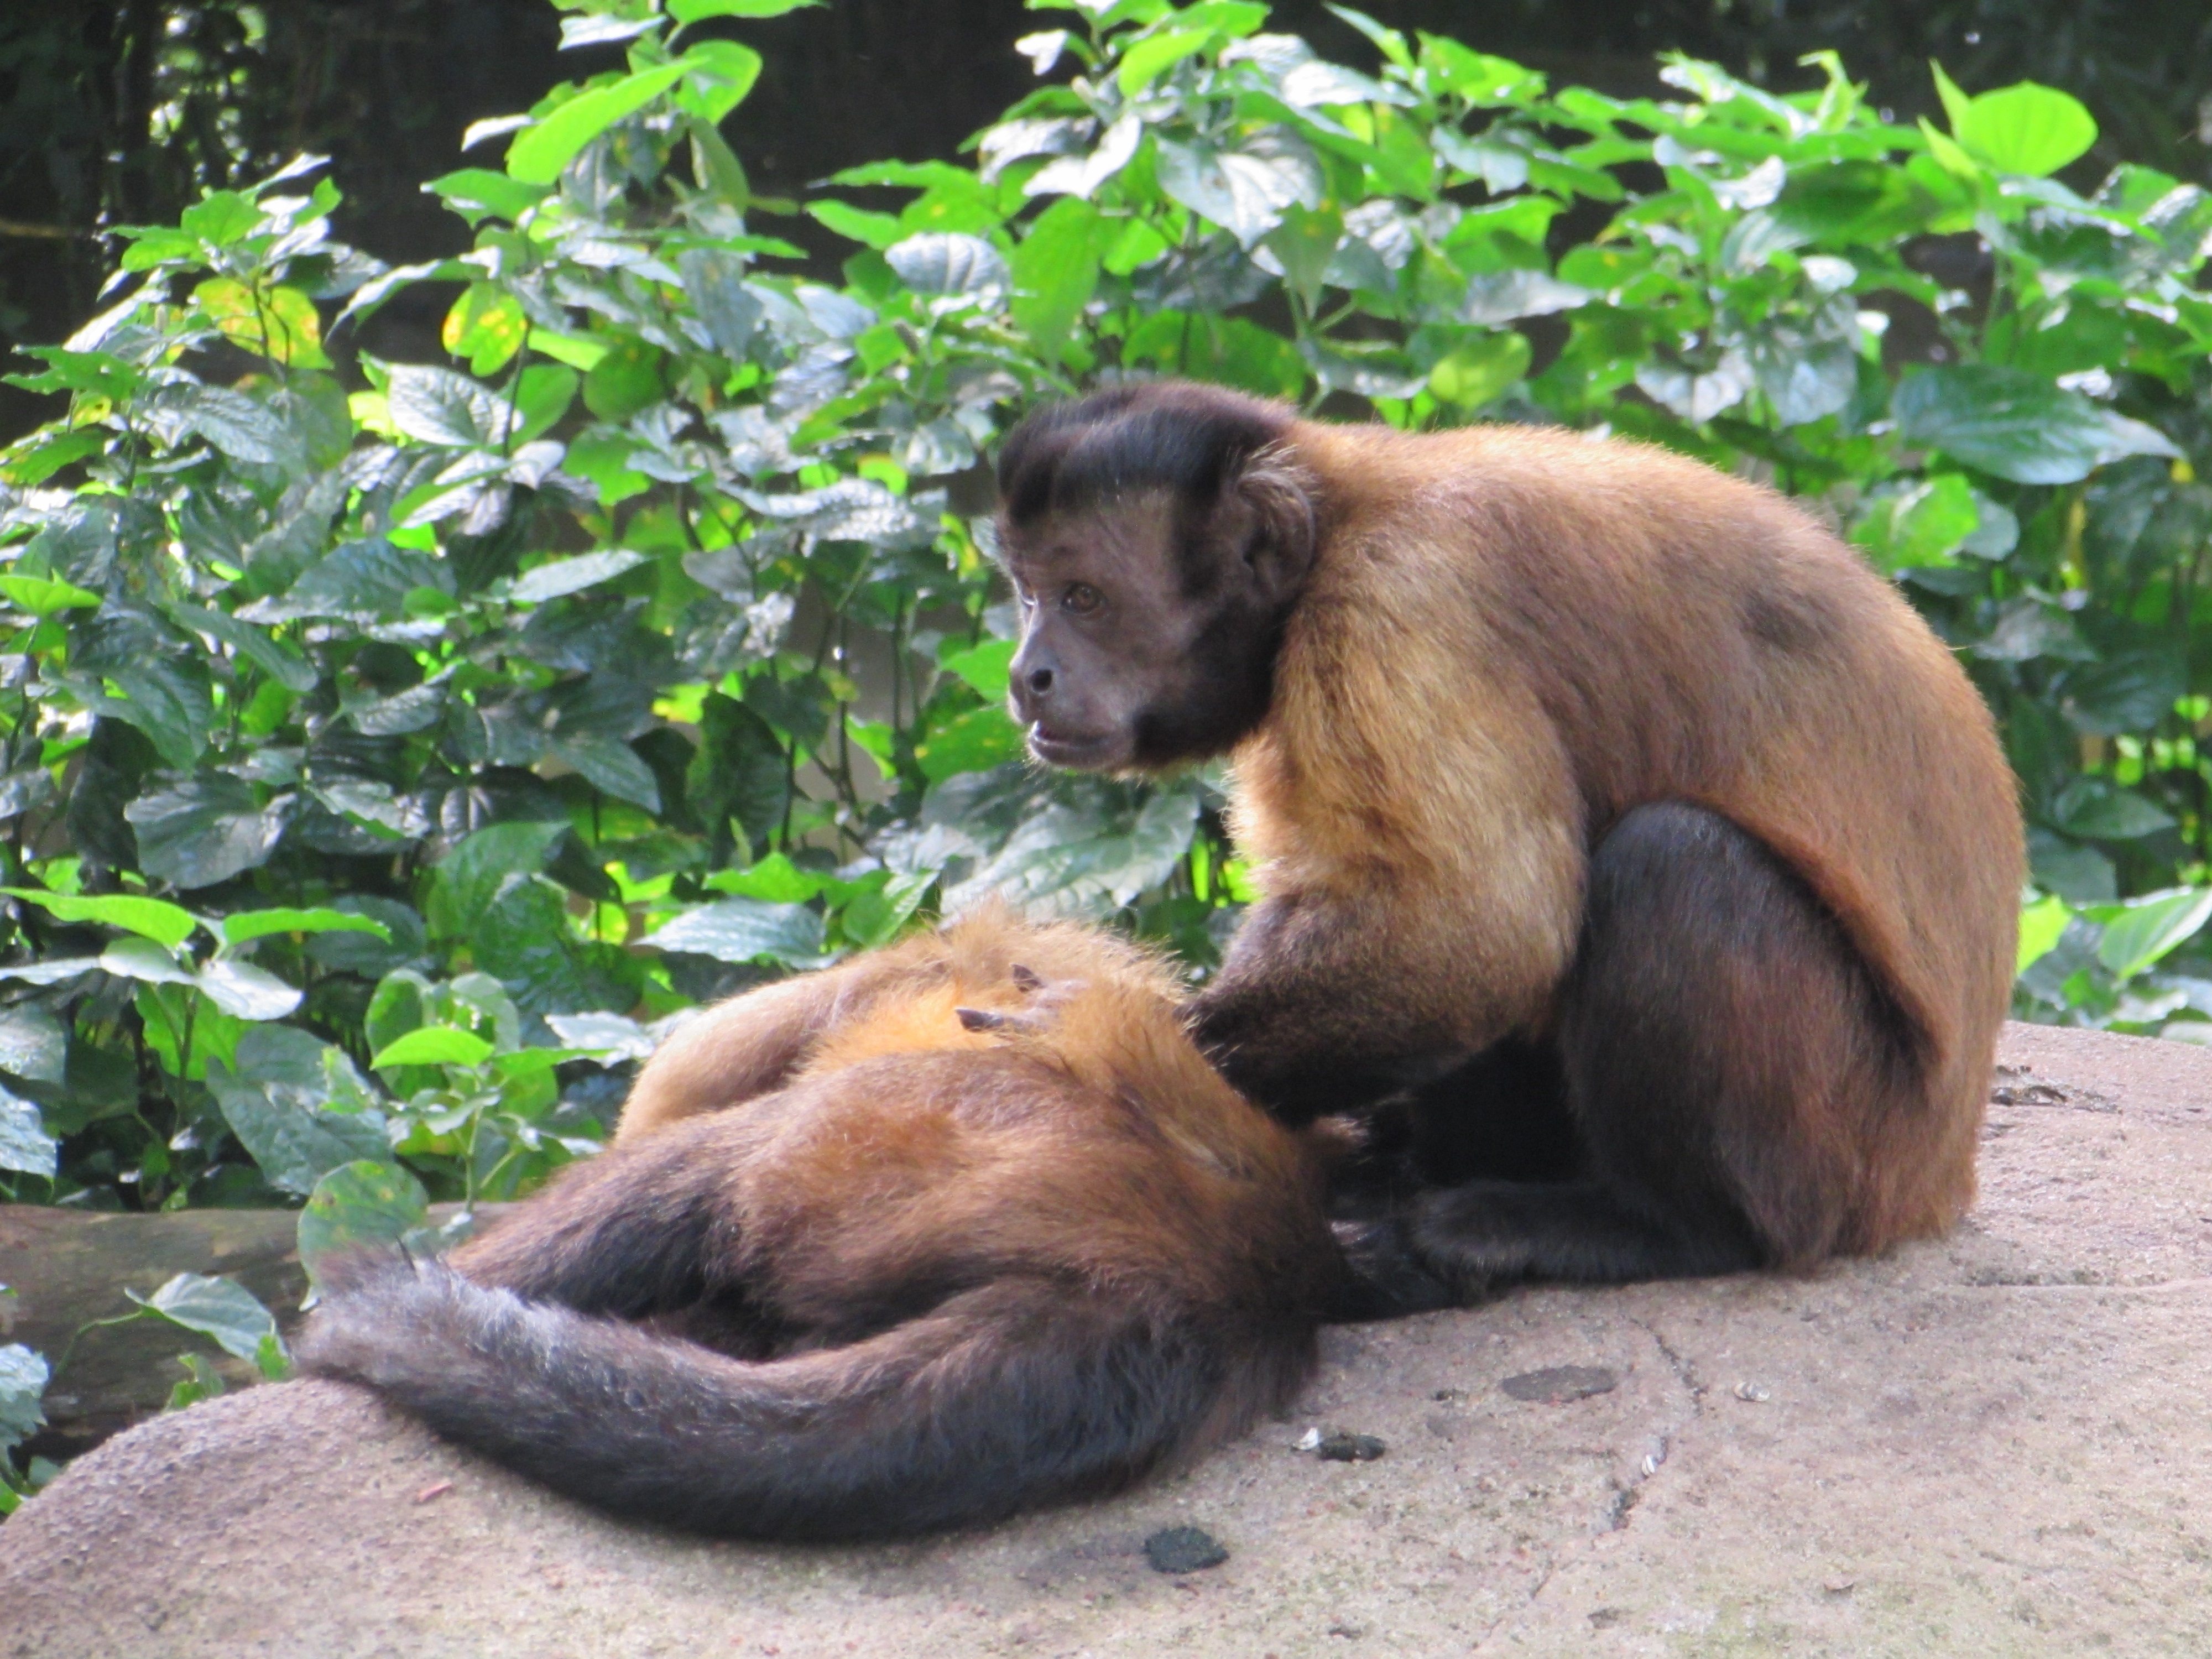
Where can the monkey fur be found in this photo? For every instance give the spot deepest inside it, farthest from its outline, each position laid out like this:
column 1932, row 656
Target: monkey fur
column 962, row 1227
column 1606, row 803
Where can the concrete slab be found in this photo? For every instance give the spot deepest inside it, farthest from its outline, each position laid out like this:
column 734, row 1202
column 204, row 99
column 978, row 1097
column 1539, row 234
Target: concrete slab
column 1992, row 1446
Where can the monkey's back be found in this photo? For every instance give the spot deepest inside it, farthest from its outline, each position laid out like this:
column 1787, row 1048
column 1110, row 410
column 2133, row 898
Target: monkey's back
column 1625, row 626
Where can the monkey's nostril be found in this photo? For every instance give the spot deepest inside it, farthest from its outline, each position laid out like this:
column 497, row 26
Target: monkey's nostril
column 1040, row 681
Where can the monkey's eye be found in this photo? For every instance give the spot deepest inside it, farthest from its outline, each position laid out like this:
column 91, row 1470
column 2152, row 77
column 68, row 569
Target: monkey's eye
column 1081, row 599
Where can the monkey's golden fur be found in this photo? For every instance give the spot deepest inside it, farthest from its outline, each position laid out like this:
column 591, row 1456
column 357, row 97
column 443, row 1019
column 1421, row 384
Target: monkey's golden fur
column 968, row 1223
column 1511, row 636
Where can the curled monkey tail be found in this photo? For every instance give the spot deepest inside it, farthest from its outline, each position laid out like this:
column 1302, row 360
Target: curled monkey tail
column 1019, row 1393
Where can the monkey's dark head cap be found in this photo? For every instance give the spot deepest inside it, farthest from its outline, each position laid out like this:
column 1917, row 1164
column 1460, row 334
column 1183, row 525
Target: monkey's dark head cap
column 1155, row 435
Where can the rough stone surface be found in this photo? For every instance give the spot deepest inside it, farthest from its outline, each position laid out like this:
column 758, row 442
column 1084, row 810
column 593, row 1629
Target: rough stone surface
column 1992, row 1446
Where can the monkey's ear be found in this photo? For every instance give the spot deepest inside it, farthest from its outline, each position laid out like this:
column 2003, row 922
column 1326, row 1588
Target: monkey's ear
column 1272, row 516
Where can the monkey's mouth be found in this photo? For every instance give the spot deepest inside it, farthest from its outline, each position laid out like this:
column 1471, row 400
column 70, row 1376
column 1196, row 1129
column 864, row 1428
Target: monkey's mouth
column 1078, row 751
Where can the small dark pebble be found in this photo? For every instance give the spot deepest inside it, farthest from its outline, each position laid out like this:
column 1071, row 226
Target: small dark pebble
column 1184, row 1549
column 1557, row 1384
column 1342, row 1448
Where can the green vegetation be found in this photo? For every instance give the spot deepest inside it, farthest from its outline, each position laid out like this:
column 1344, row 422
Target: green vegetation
column 379, row 765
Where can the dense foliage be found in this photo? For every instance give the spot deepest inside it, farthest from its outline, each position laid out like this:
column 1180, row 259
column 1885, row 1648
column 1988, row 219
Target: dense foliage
column 382, row 763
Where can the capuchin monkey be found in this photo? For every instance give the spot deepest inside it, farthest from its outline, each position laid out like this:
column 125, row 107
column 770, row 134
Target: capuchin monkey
column 957, row 1229
column 1607, row 802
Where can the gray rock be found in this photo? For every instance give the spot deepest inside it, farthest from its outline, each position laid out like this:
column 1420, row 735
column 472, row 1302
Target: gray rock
column 1993, row 1445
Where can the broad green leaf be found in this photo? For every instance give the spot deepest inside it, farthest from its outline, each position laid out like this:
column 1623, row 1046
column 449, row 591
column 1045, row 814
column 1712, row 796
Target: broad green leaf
column 626, row 379
column 2040, row 925
column 278, row 658
column 973, row 742
column 206, row 829
column 220, row 218
column 690, row 11
column 23, row 1376
column 143, row 960
column 983, row 667
column 539, row 153
column 573, row 576
column 245, row 991
column 213, row 1305
column 1055, row 270
column 713, row 281
column 464, row 880
column 277, row 323
column 1086, row 861
column 166, row 924
column 433, row 1045
column 486, row 325
column 2131, row 691
column 360, row 1206
column 1244, row 192
column 1150, row 58
column 2025, row 128
column 2017, row 425
column 33, row 1044
column 1481, row 369
column 746, row 930
column 245, row 924
column 279, row 1098
column 241, row 427
column 718, row 73
column 24, row 1143
column 478, row 190
column 945, row 265
column 437, row 406
column 878, row 230
column 2151, row 927
column 43, row 597
column 2094, row 809
column 610, row 764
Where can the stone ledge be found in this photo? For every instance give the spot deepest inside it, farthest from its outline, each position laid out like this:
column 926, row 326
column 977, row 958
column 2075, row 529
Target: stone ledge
column 1989, row 1446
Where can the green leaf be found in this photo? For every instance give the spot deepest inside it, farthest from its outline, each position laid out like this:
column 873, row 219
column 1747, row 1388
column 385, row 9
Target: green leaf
column 238, row 426
column 437, row 406
column 625, row 381
column 1481, row 369
column 2092, row 809
column 481, row 190
column 464, row 882
column 878, row 230
column 433, row 1045
column 360, row 1206
column 1088, row 857
column 2149, row 927
column 277, row 323
column 142, row 959
column 33, row 1044
column 1245, row 192
column 166, row 924
column 2040, row 925
column 983, row 667
column 220, row 218
column 973, row 742
column 42, row 597
column 1055, row 270
column 1388, row 42
column 718, row 73
column 23, row 1377
column 24, row 1143
column 2017, row 425
column 573, row 576
column 2026, row 129
column 245, row 924
column 215, row 1306
column 278, row 1100
column 245, row 991
column 1153, row 56
column 2131, row 691
column 486, row 325
column 278, row 659
column 690, row 11
column 206, row 829
column 746, row 930
column 539, row 153
column 941, row 264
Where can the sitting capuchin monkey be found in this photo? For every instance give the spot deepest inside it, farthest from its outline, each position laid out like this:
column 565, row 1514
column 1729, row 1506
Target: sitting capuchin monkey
column 956, row 1228
column 1606, row 807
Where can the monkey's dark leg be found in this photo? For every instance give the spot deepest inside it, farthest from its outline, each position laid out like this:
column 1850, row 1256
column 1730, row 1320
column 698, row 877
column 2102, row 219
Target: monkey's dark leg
column 628, row 1234
column 1723, row 1045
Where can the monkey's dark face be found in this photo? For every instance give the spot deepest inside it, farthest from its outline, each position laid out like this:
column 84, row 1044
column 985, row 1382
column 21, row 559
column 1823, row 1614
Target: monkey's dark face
column 1146, row 638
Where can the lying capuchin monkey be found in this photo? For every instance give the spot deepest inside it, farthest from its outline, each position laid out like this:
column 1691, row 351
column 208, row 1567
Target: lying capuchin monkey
column 959, row 1228
column 1609, row 805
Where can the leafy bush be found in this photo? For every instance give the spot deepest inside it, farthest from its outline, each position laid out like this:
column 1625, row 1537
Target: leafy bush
column 385, row 762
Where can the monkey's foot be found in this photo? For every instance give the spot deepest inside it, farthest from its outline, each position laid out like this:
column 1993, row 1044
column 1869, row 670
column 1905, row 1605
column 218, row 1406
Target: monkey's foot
column 1387, row 1280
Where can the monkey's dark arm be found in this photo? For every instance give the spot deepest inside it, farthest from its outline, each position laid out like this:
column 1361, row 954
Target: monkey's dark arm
column 1320, row 1008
